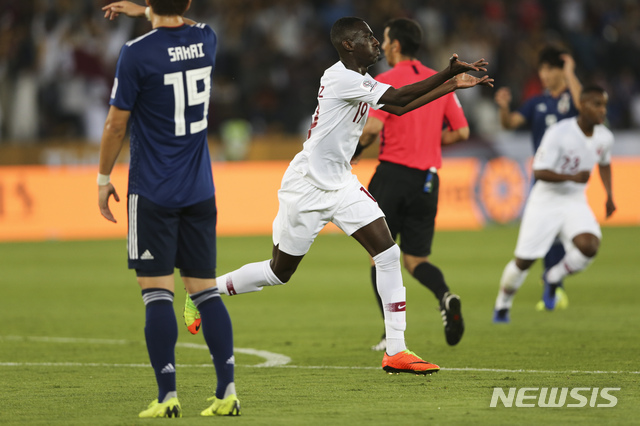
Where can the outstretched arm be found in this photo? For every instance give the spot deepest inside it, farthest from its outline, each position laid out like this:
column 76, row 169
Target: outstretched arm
column 460, row 81
column 409, row 93
column 551, row 176
column 605, row 176
column 132, row 10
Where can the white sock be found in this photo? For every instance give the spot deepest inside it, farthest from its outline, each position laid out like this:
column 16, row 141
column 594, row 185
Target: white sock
column 573, row 261
column 230, row 390
column 512, row 279
column 392, row 293
column 249, row 278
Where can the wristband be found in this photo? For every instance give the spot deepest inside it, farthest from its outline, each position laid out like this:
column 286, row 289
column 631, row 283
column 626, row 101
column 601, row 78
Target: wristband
column 147, row 13
column 103, row 179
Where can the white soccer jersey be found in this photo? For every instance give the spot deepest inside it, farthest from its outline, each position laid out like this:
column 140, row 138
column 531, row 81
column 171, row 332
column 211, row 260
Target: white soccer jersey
column 344, row 99
column 565, row 149
column 561, row 208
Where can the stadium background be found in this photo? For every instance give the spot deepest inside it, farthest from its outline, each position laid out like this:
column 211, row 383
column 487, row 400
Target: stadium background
column 57, row 59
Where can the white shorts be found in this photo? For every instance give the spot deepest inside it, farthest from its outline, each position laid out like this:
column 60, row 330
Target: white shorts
column 305, row 209
column 549, row 215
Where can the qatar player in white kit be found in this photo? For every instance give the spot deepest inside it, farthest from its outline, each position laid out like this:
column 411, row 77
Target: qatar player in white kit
column 318, row 187
column 558, row 204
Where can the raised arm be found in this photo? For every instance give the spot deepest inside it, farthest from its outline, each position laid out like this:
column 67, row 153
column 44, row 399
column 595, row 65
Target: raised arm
column 569, row 70
column 411, row 92
column 132, row 10
column 605, row 176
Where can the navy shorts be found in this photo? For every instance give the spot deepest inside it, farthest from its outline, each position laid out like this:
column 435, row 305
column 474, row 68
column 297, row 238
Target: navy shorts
column 162, row 238
column 410, row 211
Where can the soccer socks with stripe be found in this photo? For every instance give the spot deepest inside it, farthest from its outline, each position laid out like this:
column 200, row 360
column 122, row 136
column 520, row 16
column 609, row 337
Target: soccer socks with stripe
column 161, row 334
column 574, row 261
column 392, row 294
column 511, row 281
column 218, row 333
column 431, row 277
column 249, row 278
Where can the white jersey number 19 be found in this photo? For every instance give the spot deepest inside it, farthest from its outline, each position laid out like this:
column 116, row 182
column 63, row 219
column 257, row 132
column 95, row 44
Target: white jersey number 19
column 193, row 97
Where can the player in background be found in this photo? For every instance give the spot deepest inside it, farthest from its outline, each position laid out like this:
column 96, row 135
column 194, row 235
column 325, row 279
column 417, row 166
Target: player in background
column 406, row 182
column 558, row 203
column 318, row 185
column 163, row 86
column 556, row 70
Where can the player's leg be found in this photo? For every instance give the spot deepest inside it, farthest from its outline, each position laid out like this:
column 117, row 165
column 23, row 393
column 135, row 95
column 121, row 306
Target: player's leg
column 376, row 239
column 196, row 258
column 582, row 229
column 389, row 190
column 358, row 215
column 578, row 257
column 152, row 246
column 299, row 220
column 553, row 295
column 539, row 226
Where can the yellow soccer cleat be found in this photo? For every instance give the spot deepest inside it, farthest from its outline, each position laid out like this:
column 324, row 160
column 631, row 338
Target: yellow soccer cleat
column 171, row 408
column 191, row 316
column 230, row 406
column 407, row 362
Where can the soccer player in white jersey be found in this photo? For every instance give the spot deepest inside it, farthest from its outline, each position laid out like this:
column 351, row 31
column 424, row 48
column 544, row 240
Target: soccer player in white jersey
column 319, row 187
column 558, row 204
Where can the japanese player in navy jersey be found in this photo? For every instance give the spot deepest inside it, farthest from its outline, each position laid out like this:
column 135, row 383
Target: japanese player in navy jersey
column 560, row 100
column 162, row 89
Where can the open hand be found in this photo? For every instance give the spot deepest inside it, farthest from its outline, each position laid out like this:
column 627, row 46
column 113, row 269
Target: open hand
column 112, row 10
column 503, row 97
column 464, row 81
column 457, row 66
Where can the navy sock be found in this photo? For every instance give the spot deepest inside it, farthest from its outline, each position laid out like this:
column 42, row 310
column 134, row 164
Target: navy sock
column 554, row 255
column 218, row 333
column 431, row 277
column 161, row 333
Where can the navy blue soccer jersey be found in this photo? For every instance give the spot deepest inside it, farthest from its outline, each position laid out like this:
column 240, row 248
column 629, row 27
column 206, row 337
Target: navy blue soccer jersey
column 544, row 110
column 164, row 79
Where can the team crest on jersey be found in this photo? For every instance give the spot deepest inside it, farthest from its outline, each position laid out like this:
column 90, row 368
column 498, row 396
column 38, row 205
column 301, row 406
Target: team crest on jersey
column 369, row 85
column 541, row 107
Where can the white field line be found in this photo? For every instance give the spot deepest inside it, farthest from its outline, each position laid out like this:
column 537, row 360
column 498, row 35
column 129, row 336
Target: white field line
column 272, row 359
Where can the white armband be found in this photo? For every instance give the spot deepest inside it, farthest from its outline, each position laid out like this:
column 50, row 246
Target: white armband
column 103, row 179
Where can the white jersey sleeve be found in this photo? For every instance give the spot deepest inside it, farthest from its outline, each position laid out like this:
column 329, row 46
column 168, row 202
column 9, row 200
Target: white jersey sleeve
column 353, row 87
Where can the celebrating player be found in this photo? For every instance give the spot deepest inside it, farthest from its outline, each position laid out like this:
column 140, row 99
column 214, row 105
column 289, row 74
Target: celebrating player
column 558, row 204
column 163, row 83
column 560, row 100
column 406, row 182
column 319, row 187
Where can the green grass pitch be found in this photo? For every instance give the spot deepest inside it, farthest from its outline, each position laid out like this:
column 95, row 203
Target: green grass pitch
column 72, row 350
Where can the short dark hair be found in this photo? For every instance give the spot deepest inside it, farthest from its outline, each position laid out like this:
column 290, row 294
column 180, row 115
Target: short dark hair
column 592, row 89
column 550, row 55
column 342, row 29
column 169, row 7
column 408, row 34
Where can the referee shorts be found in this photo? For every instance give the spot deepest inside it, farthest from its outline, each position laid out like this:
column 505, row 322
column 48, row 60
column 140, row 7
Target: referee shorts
column 409, row 210
column 162, row 238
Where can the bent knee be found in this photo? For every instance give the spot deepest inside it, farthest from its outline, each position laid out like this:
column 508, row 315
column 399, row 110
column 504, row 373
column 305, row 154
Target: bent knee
column 588, row 244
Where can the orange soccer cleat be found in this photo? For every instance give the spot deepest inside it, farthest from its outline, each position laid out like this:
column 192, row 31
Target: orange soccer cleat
column 407, row 362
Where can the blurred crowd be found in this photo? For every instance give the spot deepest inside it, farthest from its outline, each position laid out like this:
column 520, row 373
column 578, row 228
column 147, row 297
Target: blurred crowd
column 57, row 57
